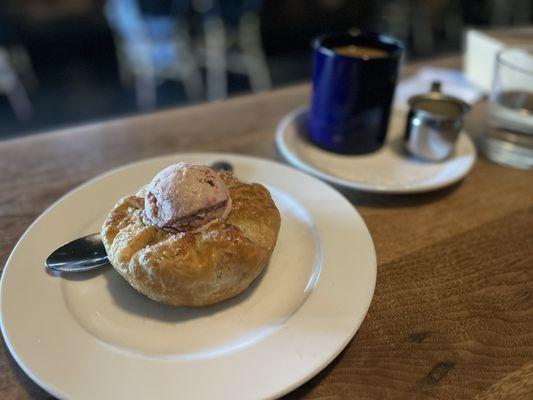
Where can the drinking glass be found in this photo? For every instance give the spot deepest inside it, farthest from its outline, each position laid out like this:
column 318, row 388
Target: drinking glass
column 509, row 140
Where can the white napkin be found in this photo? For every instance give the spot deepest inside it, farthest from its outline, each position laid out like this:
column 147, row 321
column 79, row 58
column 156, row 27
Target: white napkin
column 453, row 83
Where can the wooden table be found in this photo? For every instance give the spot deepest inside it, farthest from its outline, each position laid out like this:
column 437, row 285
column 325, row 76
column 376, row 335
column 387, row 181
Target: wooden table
column 452, row 316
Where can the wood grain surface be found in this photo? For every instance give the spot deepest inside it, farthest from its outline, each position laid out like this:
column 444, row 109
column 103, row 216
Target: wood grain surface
column 452, row 316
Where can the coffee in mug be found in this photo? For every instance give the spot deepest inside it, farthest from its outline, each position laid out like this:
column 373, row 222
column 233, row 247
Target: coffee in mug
column 360, row 51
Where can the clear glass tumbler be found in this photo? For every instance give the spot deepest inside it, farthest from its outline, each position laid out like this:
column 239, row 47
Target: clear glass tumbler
column 509, row 140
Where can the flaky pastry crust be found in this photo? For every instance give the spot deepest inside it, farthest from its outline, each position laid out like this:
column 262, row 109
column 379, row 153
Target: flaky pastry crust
column 194, row 268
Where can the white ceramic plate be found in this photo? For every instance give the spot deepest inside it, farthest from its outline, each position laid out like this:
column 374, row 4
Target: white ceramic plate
column 388, row 170
column 93, row 337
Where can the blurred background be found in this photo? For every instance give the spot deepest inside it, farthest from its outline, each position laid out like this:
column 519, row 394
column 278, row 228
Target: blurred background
column 65, row 62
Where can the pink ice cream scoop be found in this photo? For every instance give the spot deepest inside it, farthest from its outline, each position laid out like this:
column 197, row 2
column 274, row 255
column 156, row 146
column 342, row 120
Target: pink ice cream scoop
column 184, row 197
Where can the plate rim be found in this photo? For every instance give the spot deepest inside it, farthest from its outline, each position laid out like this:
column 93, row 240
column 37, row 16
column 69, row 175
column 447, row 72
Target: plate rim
column 293, row 159
column 52, row 389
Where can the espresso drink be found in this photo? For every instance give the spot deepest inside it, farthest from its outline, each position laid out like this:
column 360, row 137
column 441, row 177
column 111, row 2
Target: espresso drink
column 360, row 51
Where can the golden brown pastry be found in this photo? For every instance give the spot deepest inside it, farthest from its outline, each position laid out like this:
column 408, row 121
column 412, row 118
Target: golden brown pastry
column 205, row 247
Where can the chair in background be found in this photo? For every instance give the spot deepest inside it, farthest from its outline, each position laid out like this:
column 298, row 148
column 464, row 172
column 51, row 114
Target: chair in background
column 510, row 12
column 232, row 42
column 15, row 68
column 11, row 86
column 416, row 21
column 153, row 48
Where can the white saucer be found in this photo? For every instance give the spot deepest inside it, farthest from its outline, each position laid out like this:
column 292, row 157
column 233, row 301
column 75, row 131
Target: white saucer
column 92, row 336
column 388, row 170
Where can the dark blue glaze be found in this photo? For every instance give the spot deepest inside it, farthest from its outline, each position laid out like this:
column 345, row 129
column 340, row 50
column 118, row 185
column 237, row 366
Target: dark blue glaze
column 352, row 96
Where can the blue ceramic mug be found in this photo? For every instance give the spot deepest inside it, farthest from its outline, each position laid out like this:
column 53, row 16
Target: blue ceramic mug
column 354, row 76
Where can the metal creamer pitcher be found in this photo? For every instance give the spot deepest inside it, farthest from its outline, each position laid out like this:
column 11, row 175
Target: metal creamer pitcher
column 433, row 124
